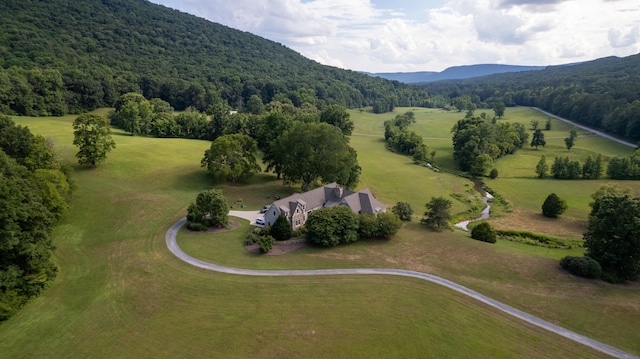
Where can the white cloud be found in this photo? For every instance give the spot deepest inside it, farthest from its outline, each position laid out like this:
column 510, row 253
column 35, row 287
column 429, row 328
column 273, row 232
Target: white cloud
column 414, row 37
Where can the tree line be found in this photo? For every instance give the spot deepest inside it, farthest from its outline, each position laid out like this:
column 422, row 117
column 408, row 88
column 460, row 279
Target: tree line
column 34, row 190
column 602, row 94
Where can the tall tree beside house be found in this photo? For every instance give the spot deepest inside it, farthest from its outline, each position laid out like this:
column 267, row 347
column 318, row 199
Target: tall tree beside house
column 311, row 152
column 231, row 158
column 92, row 135
column 281, row 228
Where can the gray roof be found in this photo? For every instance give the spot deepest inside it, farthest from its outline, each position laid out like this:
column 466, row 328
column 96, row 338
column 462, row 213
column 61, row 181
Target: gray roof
column 332, row 195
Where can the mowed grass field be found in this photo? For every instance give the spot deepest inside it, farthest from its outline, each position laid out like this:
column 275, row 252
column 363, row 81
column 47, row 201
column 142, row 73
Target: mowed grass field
column 121, row 293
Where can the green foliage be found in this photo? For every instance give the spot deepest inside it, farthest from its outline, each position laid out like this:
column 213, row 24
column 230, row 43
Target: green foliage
column 565, row 168
column 367, row 225
column 382, row 225
column 582, row 266
column 90, row 52
column 498, row 109
column 538, row 139
column 398, row 137
column 266, row 243
column 92, row 135
column 484, row 232
column 210, row 209
column 542, row 168
column 438, row 214
column 609, row 189
column 309, row 152
column 403, row 210
column 337, row 116
column 493, row 174
column 592, row 169
column 281, row 228
column 33, row 198
column 477, row 142
column 613, row 235
column 231, row 158
column 553, row 206
column 331, row 226
column 571, row 140
column 624, row 168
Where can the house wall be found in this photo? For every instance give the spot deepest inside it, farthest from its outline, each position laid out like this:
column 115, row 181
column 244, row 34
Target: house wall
column 271, row 215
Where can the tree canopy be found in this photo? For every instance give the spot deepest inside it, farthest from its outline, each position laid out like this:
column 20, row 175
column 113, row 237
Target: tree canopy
column 613, row 235
column 231, row 158
column 438, row 214
column 310, row 152
column 92, row 135
column 210, row 209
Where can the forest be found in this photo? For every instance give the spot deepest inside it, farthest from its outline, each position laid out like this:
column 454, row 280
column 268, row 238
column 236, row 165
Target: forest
column 602, row 94
column 59, row 57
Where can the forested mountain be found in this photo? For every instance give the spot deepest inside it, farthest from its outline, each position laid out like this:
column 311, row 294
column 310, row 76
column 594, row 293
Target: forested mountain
column 604, row 93
column 59, row 56
column 454, row 73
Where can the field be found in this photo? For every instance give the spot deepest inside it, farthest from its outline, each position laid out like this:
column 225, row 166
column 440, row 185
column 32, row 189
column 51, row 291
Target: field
column 120, row 292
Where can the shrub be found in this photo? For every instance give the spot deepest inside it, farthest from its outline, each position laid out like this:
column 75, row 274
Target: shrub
column 368, row 225
column 493, row 173
column 582, row 266
column 194, row 226
column 332, row 225
column 388, row 224
column 250, row 239
column 553, row 206
column 403, row 210
column 266, row 243
column 484, row 232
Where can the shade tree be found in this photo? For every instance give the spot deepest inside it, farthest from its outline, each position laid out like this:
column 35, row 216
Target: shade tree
column 92, row 135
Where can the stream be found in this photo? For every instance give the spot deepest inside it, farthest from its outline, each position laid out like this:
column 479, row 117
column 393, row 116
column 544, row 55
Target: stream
column 484, row 215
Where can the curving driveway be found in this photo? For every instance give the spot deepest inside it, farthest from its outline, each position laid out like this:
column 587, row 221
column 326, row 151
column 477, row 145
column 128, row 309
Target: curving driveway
column 173, row 247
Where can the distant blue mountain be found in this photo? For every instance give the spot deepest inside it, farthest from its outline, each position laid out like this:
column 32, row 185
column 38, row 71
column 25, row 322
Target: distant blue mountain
column 453, row 73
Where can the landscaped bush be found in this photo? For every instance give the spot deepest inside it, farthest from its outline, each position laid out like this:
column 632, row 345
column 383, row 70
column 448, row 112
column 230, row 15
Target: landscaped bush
column 196, row 226
column 493, row 173
column 250, row 239
column 484, row 232
column 266, row 243
column 582, row 266
column 403, row 210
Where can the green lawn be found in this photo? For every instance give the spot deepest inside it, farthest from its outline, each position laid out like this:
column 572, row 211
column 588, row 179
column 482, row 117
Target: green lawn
column 121, row 293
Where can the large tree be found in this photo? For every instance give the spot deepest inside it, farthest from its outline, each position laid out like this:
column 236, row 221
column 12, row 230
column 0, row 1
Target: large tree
column 613, row 235
column 337, row 115
column 231, row 157
column 92, row 135
column 310, row 152
column 438, row 213
column 210, row 209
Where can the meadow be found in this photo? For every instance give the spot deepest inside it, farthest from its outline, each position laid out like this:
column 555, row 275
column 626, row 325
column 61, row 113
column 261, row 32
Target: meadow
column 121, row 293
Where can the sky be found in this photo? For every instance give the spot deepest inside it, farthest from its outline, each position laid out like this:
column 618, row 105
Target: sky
column 431, row 35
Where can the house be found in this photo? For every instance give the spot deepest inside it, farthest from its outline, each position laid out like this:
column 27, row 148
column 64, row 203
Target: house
column 298, row 206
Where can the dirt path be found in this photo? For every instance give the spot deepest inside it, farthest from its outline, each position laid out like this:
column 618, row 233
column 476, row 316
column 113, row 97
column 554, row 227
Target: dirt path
column 604, row 348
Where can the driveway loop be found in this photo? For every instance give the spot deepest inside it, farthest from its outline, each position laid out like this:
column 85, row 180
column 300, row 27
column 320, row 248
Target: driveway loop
column 604, row 348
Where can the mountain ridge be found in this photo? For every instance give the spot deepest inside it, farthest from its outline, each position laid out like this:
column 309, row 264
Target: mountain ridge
column 453, row 73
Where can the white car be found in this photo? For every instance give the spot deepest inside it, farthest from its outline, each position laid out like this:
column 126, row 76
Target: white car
column 260, row 221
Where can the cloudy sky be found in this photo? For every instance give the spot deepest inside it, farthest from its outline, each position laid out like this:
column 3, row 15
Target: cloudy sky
column 431, row 35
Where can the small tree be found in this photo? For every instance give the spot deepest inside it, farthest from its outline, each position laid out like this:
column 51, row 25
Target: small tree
column 438, row 213
column 538, row 139
column 281, row 229
column 494, row 173
column 553, row 206
column 484, row 232
column 571, row 140
column 92, row 135
column 388, row 224
column 542, row 168
column 403, row 210
column 498, row 108
column 210, row 209
column 547, row 125
column 534, row 124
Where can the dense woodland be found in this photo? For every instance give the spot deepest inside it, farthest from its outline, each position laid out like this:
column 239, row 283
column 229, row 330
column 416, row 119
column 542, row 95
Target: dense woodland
column 34, row 189
column 603, row 94
column 71, row 56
